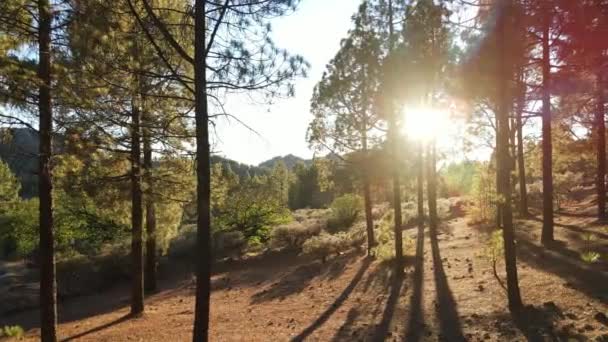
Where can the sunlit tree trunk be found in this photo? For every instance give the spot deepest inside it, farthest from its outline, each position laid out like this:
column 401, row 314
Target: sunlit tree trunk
column 432, row 187
column 547, row 231
column 601, row 150
column 203, row 228
column 502, row 153
column 150, row 263
column 420, row 183
column 48, row 283
column 367, row 198
column 521, row 167
column 394, row 146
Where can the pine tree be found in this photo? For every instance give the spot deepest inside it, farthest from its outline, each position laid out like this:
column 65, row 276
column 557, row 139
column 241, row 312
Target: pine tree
column 345, row 116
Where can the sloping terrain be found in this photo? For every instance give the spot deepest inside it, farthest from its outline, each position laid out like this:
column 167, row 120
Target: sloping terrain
column 449, row 293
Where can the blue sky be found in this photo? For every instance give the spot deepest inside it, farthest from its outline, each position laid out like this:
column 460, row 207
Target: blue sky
column 313, row 31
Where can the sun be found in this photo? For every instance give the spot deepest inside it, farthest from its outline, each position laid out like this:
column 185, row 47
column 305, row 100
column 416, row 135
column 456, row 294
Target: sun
column 425, row 123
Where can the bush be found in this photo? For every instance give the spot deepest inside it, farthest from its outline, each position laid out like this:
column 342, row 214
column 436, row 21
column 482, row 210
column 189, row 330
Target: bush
column 223, row 243
column 325, row 244
column 483, row 195
column 81, row 274
column 294, row 234
column 385, row 239
column 229, row 243
column 13, row 331
column 344, row 212
column 183, row 246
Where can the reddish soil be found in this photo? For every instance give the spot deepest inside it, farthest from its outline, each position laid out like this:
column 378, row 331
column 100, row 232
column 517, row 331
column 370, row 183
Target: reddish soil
column 448, row 293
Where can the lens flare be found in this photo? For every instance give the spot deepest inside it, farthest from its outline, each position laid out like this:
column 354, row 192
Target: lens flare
column 425, row 123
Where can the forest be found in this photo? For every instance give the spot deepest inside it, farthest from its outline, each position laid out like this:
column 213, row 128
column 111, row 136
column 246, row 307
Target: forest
column 454, row 190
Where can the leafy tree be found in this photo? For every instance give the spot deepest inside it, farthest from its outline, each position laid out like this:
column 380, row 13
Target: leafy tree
column 9, row 186
column 345, row 115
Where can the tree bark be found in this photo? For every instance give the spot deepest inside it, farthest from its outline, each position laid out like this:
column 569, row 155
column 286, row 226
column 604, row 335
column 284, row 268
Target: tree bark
column 600, row 125
column 48, row 283
column 137, row 274
column 394, row 146
column 432, row 187
column 523, row 191
column 547, row 231
column 203, row 270
column 150, row 284
column 420, row 184
column 502, row 148
column 369, row 221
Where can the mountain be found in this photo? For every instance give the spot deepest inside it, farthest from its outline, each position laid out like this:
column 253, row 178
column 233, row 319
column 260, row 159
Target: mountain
column 290, row 161
column 19, row 149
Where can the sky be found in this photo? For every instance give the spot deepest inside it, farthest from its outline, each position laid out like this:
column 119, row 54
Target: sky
column 313, row 31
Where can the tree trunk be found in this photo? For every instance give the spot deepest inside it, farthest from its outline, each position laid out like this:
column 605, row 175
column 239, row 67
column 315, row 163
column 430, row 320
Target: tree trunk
column 432, row 187
column 394, row 146
column 150, row 266
column 547, row 232
column 48, row 283
column 498, row 183
column 137, row 274
column 369, row 221
column 398, row 220
column 502, row 149
column 601, row 150
column 523, row 191
column 203, row 270
column 420, row 185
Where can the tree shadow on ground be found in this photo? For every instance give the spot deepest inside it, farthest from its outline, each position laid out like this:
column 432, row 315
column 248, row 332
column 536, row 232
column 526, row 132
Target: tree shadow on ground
column 336, row 304
column 415, row 324
column 298, row 278
column 449, row 320
column 566, row 264
column 535, row 323
column 575, row 228
column 98, row 328
column 383, row 328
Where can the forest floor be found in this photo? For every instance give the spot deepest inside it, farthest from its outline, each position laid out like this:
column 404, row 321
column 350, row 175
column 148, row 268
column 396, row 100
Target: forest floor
column 448, row 293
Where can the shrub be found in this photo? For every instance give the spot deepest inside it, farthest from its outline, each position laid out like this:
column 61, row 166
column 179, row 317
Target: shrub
column 294, row 234
column 344, row 212
column 494, row 252
column 184, row 244
column 588, row 255
column 13, row 331
column 81, row 274
column 229, row 243
column 325, row 244
column 563, row 184
column 385, row 239
column 483, row 195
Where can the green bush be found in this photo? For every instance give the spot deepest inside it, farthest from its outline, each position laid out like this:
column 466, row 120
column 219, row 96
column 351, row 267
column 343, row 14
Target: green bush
column 385, row 238
column 589, row 255
column 344, row 212
column 230, row 243
column 324, row 245
column 294, row 234
column 13, row 331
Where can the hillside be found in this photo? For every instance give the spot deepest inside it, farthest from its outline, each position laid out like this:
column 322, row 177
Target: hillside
column 449, row 293
column 290, row 161
column 19, row 149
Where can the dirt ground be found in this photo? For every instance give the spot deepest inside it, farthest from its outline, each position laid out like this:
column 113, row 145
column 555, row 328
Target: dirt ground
column 448, row 293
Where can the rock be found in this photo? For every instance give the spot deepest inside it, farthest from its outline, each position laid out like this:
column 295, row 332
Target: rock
column 550, row 305
column 572, row 316
column 601, row 317
column 480, row 287
column 588, row 327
